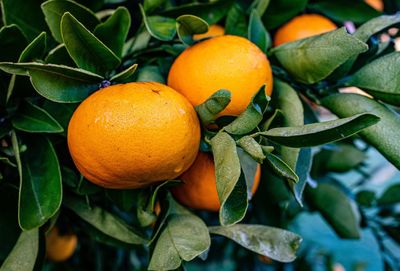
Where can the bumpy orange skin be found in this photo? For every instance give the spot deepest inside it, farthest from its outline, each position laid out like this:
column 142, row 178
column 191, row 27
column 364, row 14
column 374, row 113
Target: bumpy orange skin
column 225, row 62
column 213, row 31
column 133, row 135
column 303, row 26
column 199, row 188
column 376, row 4
column 60, row 247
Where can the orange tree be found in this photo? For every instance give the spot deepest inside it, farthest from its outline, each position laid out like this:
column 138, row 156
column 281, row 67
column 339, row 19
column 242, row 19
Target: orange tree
column 133, row 146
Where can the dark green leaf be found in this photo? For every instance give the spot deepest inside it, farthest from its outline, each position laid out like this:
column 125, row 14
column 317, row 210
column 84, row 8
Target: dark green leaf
column 56, row 82
column 274, row 16
column 85, row 49
column 104, row 221
column 125, row 75
column 7, row 161
column 390, row 196
column 137, row 42
column 123, row 199
column 260, row 6
column 59, row 55
column 337, row 209
column 321, row 133
column 277, row 244
column 61, row 112
column 23, row 256
column 114, row 31
column 215, row 104
column 280, row 167
column 303, row 167
column 380, row 78
column 249, row 169
column 188, row 25
column 376, row 25
column 16, row 150
column 40, row 188
column 33, row 119
column 227, row 171
column 150, row 5
column 150, row 74
column 384, row 135
column 257, row 32
column 55, row 9
column 34, row 50
column 251, row 146
column 236, row 21
column 12, row 43
column 252, row 116
column 366, row 197
column 159, row 27
column 326, row 51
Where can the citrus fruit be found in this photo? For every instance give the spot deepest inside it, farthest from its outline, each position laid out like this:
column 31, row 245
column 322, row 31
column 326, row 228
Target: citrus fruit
column 60, row 247
column 376, row 4
column 199, row 188
column 303, row 26
column 213, row 31
column 133, row 135
column 225, row 62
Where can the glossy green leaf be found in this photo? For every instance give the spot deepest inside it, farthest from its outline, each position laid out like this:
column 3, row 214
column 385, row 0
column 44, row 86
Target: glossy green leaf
column 114, row 31
column 150, row 74
column 380, row 78
column 57, row 82
column 303, row 167
column 59, row 55
column 33, row 119
column 260, row 6
column 23, row 256
column 249, row 168
column 252, row 116
column 215, row 104
column 277, row 244
column 321, row 133
column 274, row 16
column 337, row 209
column 326, row 51
column 188, row 25
column 40, row 187
column 376, row 25
column 61, row 112
column 280, row 167
column 384, row 135
column 150, row 5
column 236, row 21
column 34, row 50
column 55, row 9
column 390, row 196
column 227, row 171
column 105, row 222
column 125, row 75
column 159, row 27
column 138, row 42
column 251, row 146
column 88, row 52
column 257, row 32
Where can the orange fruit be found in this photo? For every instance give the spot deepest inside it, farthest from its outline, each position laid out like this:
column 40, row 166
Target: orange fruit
column 303, row 26
column 60, row 247
column 213, row 31
column 376, row 4
column 199, row 188
column 133, row 135
column 225, row 62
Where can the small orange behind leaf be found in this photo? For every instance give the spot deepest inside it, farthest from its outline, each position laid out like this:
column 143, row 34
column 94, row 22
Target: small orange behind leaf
column 60, row 247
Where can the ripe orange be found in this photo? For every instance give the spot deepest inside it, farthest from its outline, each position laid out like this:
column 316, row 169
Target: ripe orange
column 199, row 189
column 376, row 4
column 225, row 62
column 213, row 31
column 60, row 247
column 132, row 135
column 303, row 26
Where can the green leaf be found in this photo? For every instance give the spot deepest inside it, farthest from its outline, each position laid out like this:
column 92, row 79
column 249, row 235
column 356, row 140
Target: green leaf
column 35, row 50
column 390, row 196
column 159, row 27
column 236, row 21
column 138, row 42
column 40, row 188
column 150, row 73
column 249, row 169
column 33, row 119
column 188, row 25
column 88, row 52
column 105, row 222
column 211, row 12
column 56, row 82
column 227, row 171
column 320, row 133
column 12, row 43
column 125, row 75
column 277, row 244
column 341, row 11
column 62, row 113
column 114, row 31
column 337, row 209
column 252, row 116
column 251, row 146
column 54, row 10
column 150, row 5
column 326, row 51
column 123, row 199
column 384, row 135
column 376, row 25
column 303, row 167
column 215, row 104
column 59, row 55
column 380, row 78
column 366, row 198
column 274, row 16
column 280, row 167
column 26, row 14
column 257, row 32
column 23, row 256
column 7, row 161
column 260, row 6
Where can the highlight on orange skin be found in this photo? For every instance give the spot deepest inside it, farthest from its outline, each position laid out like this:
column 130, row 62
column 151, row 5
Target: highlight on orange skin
column 303, row 26
column 214, row 30
column 199, row 189
column 376, row 4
